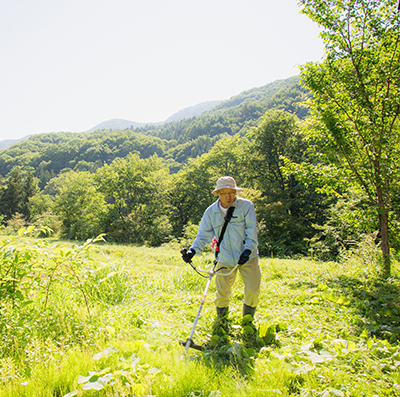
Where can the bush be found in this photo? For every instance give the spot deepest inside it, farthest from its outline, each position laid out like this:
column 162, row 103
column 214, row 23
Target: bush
column 108, row 284
column 48, row 224
column 189, row 234
column 350, row 221
column 16, row 223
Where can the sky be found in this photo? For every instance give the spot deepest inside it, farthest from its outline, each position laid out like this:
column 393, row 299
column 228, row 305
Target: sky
column 68, row 65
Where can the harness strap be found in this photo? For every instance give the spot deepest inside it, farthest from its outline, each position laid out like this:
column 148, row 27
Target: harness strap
column 227, row 218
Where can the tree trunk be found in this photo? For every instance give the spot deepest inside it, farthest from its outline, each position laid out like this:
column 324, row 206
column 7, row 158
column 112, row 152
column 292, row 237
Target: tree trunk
column 384, row 225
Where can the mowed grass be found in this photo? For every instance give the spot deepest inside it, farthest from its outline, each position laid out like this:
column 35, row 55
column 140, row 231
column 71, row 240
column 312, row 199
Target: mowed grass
column 336, row 331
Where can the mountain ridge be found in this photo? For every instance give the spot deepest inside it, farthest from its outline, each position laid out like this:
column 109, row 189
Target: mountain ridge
column 122, row 124
column 176, row 142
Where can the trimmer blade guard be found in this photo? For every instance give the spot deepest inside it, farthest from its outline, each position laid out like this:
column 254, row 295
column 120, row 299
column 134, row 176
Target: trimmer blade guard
column 192, row 345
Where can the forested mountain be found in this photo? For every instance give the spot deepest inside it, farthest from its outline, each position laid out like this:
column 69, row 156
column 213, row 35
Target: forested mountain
column 6, row 143
column 116, row 124
column 175, row 142
column 191, row 111
column 122, row 124
column 152, row 184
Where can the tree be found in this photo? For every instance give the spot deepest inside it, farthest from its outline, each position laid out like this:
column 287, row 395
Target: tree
column 355, row 103
column 194, row 183
column 136, row 191
column 276, row 135
column 290, row 209
column 79, row 206
column 30, row 189
column 14, row 197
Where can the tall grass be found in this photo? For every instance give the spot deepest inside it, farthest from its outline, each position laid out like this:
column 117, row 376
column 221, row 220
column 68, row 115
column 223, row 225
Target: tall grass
column 336, row 331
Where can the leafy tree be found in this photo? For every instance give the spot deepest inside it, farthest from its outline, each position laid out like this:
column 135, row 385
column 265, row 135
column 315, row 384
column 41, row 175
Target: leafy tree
column 351, row 219
column 290, row 208
column 39, row 204
column 276, row 135
column 356, row 91
column 136, row 191
column 193, row 185
column 80, row 207
column 15, row 195
column 30, row 189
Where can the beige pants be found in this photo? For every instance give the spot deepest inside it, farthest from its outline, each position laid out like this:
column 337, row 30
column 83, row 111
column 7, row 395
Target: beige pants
column 251, row 276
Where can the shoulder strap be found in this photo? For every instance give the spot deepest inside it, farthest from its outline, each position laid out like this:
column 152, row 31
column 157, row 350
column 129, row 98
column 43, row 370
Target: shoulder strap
column 227, row 218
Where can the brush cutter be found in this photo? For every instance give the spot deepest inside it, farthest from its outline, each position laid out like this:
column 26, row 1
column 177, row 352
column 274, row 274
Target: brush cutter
column 189, row 343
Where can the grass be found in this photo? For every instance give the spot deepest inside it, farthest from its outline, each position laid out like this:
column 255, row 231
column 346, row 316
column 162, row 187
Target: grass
column 334, row 328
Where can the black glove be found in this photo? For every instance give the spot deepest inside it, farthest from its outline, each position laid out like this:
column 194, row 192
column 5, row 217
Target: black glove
column 244, row 257
column 188, row 255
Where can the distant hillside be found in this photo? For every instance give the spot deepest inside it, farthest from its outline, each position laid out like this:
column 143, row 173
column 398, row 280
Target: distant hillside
column 258, row 94
column 116, row 124
column 175, row 141
column 192, row 111
column 235, row 115
column 9, row 142
column 121, row 124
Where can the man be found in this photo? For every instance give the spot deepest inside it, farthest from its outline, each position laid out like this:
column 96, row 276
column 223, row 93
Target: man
column 239, row 245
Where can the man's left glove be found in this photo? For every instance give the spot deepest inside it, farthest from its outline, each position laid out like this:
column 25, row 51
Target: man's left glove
column 188, row 255
column 244, row 257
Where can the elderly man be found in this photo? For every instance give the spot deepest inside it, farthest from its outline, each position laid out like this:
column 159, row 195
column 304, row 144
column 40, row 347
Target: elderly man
column 239, row 245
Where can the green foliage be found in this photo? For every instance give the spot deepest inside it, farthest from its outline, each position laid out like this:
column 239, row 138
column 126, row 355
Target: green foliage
column 192, row 187
column 16, row 278
column 355, row 97
column 14, row 224
column 189, row 234
column 49, row 154
column 42, row 217
column 39, row 204
column 350, row 221
column 287, row 209
column 80, row 206
column 276, row 135
column 320, row 329
column 15, row 196
column 136, row 190
column 25, row 270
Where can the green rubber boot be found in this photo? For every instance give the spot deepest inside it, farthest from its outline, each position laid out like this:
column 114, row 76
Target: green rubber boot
column 221, row 325
column 248, row 310
column 222, row 311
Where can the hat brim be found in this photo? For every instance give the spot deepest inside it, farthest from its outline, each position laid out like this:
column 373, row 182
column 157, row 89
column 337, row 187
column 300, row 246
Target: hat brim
column 238, row 189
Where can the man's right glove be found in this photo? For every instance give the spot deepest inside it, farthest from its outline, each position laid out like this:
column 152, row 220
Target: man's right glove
column 188, row 255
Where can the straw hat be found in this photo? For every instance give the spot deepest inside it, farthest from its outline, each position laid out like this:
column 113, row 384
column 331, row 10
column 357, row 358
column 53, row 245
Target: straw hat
column 226, row 182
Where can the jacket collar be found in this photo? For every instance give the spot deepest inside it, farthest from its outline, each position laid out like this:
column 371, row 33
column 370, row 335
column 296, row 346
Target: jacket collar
column 216, row 205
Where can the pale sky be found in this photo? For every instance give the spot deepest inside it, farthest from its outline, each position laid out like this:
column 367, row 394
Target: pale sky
column 68, row 65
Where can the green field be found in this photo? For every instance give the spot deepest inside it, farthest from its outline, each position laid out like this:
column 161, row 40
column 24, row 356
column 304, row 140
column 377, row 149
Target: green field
column 106, row 320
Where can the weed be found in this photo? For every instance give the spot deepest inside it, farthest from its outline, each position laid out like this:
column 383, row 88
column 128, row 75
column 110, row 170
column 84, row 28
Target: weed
column 320, row 329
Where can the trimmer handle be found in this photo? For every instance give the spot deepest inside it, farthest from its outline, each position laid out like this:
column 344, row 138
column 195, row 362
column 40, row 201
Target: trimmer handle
column 187, row 255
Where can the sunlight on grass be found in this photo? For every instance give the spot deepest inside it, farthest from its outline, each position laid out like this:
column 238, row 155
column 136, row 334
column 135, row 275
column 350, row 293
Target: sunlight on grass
column 320, row 329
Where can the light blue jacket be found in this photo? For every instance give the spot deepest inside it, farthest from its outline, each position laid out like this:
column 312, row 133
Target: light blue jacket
column 240, row 234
